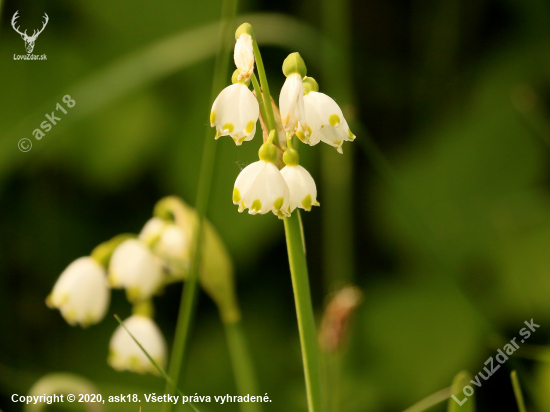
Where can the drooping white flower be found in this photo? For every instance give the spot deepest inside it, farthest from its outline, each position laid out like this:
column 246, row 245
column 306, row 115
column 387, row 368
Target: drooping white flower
column 124, row 352
column 134, row 267
column 81, row 293
column 303, row 192
column 235, row 112
column 168, row 241
column 173, row 244
column 261, row 188
column 291, row 99
column 244, row 56
column 291, row 104
column 325, row 121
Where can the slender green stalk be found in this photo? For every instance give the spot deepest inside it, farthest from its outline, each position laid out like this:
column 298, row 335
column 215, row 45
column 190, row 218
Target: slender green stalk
column 299, row 273
column 337, row 170
column 259, row 96
column 517, row 391
column 189, row 294
column 245, row 377
column 270, row 120
column 304, row 311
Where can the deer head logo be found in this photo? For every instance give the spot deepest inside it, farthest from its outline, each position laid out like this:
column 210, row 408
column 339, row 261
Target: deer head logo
column 29, row 40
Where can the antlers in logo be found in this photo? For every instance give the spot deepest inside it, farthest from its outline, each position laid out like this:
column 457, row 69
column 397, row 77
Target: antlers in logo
column 29, row 40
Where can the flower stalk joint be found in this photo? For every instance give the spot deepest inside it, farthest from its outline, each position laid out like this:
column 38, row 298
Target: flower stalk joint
column 242, row 80
column 144, row 308
column 291, row 157
column 268, row 151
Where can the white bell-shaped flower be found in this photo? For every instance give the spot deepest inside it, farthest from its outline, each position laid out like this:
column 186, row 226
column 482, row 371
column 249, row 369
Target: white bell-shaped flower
column 81, row 293
column 235, row 112
column 325, row 120
column 244, row 56
column 291, row 99
column 173, row 244
column 303, row 192
column 168, row 241
column 291, row 104
column 124, row 352
column 134, row 267
column 260, row 187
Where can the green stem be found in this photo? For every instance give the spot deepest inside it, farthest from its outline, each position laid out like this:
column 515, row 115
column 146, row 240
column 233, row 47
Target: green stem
column 245, row 377
column 304, row 311
column 265, row 91
column 517, row 391
column 189, row 294
column 336, row 170
column 331, row 378
column 259, row 96
column 289, row 140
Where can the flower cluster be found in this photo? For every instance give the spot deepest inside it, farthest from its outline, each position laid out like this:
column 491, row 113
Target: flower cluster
column 141, row 265
column 306, row 113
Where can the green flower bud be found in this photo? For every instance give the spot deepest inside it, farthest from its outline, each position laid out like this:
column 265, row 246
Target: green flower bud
column 310, row 85
column 294, row 64
column 291, row 157
column 235, row 78
column 245, row 28
column 268, row 152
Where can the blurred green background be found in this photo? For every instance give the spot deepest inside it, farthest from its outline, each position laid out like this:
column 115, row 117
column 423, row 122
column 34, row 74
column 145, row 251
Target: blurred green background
column 439, row 211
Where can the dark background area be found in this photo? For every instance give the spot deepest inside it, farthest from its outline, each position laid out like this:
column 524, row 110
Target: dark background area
column 448, row 218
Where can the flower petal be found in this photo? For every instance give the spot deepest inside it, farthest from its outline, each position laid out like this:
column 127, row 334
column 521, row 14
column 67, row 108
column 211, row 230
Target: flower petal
column 245, row 180
column 261, row 188
column 303, row 191
column 235, row 112
column 244, row 55
column 291, row 104
column 134, row 267
column 81, row 293
column 326, row 121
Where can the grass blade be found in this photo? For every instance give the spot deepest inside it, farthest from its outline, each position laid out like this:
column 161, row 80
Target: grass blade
column 430, row 401
column 457, row 390
column 517, row 391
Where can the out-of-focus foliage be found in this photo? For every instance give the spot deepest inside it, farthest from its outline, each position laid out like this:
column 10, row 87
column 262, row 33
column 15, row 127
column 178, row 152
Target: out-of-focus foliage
column 452, row 238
